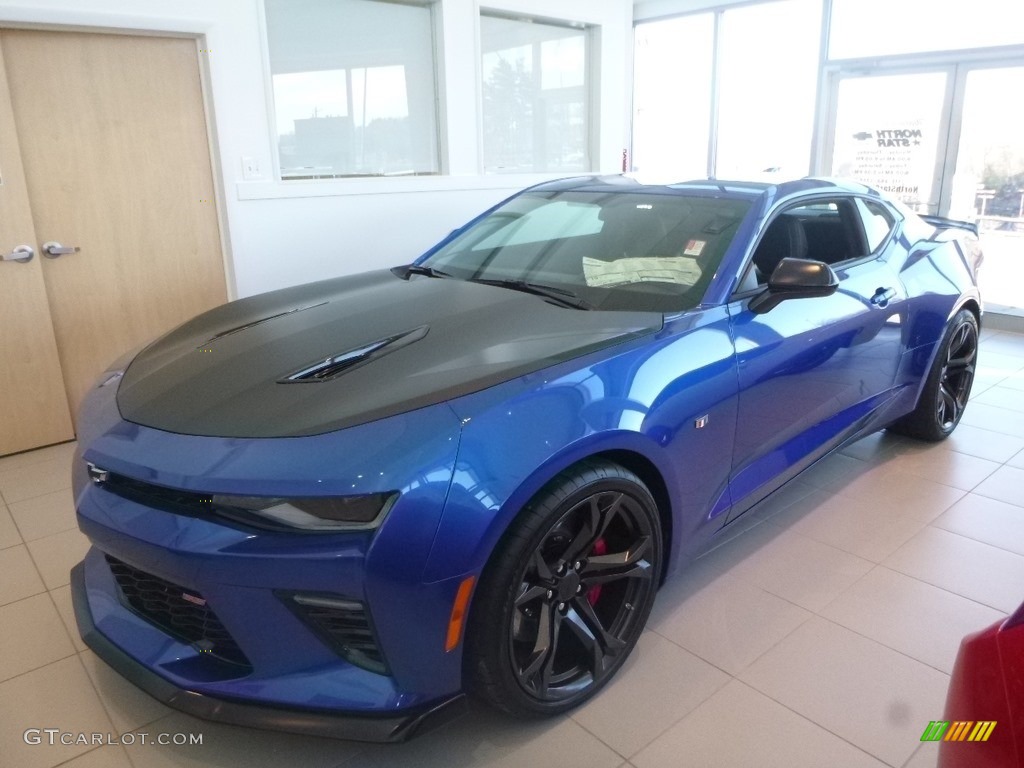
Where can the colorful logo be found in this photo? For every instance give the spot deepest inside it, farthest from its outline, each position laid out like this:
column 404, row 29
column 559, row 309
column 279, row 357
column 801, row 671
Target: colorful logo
column 958, row 730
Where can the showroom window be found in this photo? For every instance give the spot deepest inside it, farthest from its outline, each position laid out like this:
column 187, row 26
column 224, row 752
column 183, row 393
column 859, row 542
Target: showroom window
column 354, row 84
column 766, row 113
column 672, row 71
column 871, row 28
column 536, row 105
column 700, row 108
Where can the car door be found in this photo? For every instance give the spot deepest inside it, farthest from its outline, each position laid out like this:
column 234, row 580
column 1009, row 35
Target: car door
column 812, row 371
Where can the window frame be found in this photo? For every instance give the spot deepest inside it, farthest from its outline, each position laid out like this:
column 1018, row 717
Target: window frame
column 839, row 267
column 440, row 138
column 590, row 88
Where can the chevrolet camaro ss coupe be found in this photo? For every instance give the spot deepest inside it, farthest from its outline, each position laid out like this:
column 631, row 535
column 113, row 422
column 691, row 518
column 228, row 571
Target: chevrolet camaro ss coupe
column 339, row 508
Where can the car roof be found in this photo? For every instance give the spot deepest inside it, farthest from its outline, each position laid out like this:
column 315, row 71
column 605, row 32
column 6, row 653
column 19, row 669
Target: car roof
column 780, row 188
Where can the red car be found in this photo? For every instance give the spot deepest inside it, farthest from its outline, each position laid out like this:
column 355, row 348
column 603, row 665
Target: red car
column 987, row 686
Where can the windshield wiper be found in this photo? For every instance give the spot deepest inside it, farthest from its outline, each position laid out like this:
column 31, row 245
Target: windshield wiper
column 560, row 295
column 418, row 269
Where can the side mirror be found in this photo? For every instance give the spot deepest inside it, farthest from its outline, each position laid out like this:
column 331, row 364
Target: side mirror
column 795, row 279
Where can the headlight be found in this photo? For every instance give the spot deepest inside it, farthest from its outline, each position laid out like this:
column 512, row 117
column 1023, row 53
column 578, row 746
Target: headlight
column 308, row 514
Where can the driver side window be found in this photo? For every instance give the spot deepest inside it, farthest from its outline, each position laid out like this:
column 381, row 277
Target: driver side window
column 827, row 230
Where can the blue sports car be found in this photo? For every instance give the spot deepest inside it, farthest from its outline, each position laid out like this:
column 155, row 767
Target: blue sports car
column 339, row 508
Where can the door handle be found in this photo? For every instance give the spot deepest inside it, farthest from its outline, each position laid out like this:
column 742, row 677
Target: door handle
column 53, row 249
column 23, row 254
column 883, row 296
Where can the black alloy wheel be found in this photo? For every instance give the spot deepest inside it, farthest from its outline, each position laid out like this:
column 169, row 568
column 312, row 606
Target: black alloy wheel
column 569, row 592
column 948, row 385
column 957, row 374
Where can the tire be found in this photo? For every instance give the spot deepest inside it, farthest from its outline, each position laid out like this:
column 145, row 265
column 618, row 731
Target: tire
column 948, row 386
column 566, row 594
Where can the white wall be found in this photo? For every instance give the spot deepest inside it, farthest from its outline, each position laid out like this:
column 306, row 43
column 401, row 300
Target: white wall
column 283, row 233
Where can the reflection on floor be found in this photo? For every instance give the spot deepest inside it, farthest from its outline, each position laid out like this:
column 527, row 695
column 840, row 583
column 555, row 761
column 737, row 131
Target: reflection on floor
column 822, row 635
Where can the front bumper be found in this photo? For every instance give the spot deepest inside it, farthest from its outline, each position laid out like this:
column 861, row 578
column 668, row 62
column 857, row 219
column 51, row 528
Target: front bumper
column 375, row 728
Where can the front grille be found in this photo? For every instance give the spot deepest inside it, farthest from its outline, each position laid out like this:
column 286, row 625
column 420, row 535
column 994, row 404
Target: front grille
column 343, row 624
column 158, row 496
column 179, row 612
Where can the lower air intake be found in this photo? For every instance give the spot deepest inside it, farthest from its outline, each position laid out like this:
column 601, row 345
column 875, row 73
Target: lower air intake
column 180, row 612
column 343, row 624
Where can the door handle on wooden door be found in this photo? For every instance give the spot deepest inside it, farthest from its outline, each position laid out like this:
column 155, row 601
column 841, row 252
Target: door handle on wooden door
column 23, row 254
column 53, row 249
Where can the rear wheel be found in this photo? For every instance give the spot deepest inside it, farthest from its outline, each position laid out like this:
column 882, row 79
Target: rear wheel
column 948, row 385
column 567, row 593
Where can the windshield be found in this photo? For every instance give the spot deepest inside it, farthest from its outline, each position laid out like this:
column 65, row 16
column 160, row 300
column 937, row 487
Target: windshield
column 616, row 251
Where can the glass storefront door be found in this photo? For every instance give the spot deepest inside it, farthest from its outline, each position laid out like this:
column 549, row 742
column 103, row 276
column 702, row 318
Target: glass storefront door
column 888, row 131
column 947, row 140
column 988, row 184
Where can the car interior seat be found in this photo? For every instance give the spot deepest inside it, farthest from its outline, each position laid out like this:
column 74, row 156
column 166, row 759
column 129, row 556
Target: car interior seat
column 785, row 238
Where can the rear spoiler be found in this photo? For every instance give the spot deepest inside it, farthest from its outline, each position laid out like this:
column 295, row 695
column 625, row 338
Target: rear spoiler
column 943, row 223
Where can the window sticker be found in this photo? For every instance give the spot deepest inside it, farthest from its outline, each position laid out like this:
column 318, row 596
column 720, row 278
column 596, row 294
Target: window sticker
column 694, row 247
column 680, row 270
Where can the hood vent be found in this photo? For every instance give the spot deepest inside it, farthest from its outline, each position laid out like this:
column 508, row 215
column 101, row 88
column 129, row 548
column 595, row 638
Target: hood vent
column 332, row 367
column 262, row 320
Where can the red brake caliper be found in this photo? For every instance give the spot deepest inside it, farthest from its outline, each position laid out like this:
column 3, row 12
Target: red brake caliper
column 600, row 548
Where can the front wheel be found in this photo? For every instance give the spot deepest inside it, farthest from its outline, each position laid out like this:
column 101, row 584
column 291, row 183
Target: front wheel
column 948, row 385
column 567, row 592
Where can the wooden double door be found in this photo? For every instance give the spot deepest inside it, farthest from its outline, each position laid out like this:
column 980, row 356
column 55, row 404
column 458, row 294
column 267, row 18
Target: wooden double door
column 108, row 227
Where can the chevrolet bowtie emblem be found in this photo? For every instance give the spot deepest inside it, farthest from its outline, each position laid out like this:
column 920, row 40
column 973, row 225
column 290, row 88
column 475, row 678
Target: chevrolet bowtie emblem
column 97, row 475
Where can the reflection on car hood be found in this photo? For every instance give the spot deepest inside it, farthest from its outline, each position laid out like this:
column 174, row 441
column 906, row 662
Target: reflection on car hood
column 341, row 352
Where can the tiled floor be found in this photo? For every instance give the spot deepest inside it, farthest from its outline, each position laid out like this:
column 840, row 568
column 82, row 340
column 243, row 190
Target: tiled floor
column 823, row 635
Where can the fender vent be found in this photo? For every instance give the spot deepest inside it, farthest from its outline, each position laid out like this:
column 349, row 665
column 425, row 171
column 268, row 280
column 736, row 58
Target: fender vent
column 332, row 367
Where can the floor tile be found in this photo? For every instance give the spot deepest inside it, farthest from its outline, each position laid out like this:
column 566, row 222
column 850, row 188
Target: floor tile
column 1005, row 343
column 739, row 727
column 1005, row 484
column 33, row 636
column 926, row 756
column 983, row 443
column 977, row 571
column 988, row 520
column 883, row 714
column 9, row 535
column 832, row 469
column 58, row 695
column 1017, row 460
column 62, row 599
column 45, row 515
column 958, row 470
column 1001, row 397
column 34, row 480
column 874, row 447
column 870, row 531
column 1014, row 381
column 914, row 496
column 992, row 418
column 101, row 757
column 18, row 576
column 917, row 619
column 657, row 687
column 801, row 570
column 486, row 738
column 227, row 746
column 728, row 622
column 60, row 452
column 55, row 555
column 128, row 707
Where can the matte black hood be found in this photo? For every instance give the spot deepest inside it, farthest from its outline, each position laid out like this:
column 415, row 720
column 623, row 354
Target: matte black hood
column 341, row 352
